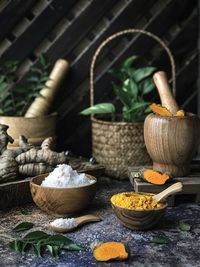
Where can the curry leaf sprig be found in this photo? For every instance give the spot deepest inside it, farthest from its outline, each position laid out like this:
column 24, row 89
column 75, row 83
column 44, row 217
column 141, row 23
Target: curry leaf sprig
column 40, row 241
column 134, row 84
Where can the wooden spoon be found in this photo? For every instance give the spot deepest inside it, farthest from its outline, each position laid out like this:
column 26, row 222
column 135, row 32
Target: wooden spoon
column 165, row 93
column 79, row 220
column 177, row 187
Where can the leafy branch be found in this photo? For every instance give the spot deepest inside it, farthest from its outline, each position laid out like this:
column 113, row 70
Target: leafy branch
column 134, row 84
column 14, row 98
column 40, row 241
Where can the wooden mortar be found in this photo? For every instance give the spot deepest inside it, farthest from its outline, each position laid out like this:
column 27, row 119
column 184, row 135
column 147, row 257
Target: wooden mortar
column 171, row 141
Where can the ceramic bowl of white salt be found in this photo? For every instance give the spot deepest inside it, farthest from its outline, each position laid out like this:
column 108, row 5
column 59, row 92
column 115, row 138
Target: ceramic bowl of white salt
column 63, row 191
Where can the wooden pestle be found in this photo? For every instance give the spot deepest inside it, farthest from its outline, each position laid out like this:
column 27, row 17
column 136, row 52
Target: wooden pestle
column 41, row 105
column 165, row 93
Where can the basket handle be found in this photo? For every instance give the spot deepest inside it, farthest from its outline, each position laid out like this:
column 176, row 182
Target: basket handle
column 124, row 32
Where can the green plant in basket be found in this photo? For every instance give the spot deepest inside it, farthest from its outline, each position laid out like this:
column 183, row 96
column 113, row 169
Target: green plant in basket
column 134, row 84
column 14, row 98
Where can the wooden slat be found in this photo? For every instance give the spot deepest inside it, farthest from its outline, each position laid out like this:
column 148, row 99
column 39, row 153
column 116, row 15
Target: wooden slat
column 166, row 18
column 12, row 14
column 39, row 29
column 81, row 66
column 81, row 26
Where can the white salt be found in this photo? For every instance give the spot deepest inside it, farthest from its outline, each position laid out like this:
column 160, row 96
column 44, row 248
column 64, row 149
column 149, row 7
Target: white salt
column 63, row 176
column 68, row 223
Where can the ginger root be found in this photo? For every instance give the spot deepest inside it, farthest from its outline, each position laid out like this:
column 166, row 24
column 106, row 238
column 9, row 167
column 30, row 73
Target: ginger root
column 37, row 161
column 109, row 251
column 26, row 160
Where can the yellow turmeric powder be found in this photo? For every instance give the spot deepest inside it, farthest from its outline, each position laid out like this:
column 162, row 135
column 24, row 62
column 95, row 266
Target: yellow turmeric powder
column 135, row 201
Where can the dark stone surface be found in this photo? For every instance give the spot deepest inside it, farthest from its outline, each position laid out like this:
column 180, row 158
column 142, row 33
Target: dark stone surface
column 183, row 249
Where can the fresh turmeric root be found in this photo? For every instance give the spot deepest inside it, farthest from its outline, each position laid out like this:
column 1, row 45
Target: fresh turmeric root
column 163, row 111
column 109, row 251
column 153, row 177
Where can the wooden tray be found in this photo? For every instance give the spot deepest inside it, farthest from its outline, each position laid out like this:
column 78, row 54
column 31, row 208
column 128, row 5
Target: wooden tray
column 191, row 184
column 18, row 192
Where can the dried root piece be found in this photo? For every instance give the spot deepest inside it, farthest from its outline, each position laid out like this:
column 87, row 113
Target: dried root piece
column 37, row 161
column 8, row 169
column 47, row 156
column 110, row 251
column 180, row 113
column 154, row 177
column 162, row 111
column 33, row 169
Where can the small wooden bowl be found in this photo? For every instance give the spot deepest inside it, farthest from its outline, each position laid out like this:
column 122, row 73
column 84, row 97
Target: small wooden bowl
column 139, row 219
column 61, row 201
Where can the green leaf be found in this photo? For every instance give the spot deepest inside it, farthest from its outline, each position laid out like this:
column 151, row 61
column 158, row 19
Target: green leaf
column 33, row 79
column 55, row 251
column 160, row 240
column 2, row 78
column 141, row 73
column 132, row 88
column 99, row 109
column 122, row 94
column 129, row 62
column 148, row 110
column 73, row 246
column 25, row 211
column 42, row 60
column 16, row 245
column 37, row 249
column 44, row 78
column 50, row 249
column 3, row 86
column 146, row 86
column 24, row 226
column 36, row 70
column 56, row 240
column 136, row 106
column 183, row 226
column 36, row 235
column 8, row 102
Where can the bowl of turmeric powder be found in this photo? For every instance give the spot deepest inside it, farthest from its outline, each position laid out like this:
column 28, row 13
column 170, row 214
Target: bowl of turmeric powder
column 137, row 211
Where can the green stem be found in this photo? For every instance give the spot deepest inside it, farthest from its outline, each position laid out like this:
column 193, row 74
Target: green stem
column 7, row 236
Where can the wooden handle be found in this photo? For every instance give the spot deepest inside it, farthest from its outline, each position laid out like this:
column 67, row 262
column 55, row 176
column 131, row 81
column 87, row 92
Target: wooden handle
column 86, row 219
column 177, row 187
column 41, row 105
column 166, row 96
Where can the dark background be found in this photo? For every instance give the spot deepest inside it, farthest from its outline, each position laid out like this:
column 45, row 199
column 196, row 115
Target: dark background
column 74, row 29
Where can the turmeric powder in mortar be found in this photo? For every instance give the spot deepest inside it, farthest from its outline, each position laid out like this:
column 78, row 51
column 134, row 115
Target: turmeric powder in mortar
column 135, row 201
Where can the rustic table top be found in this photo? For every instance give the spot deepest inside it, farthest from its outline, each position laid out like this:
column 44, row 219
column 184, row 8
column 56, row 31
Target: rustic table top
column 183, row 250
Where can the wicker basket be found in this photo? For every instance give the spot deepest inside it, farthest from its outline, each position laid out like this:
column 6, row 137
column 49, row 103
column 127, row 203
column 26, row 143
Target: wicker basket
column 120, row 145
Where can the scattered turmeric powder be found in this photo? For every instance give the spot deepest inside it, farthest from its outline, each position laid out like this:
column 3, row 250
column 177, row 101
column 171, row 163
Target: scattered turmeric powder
column 135, row 201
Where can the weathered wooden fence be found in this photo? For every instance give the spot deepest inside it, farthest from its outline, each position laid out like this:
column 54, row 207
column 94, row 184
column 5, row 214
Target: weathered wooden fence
column 74, row 29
